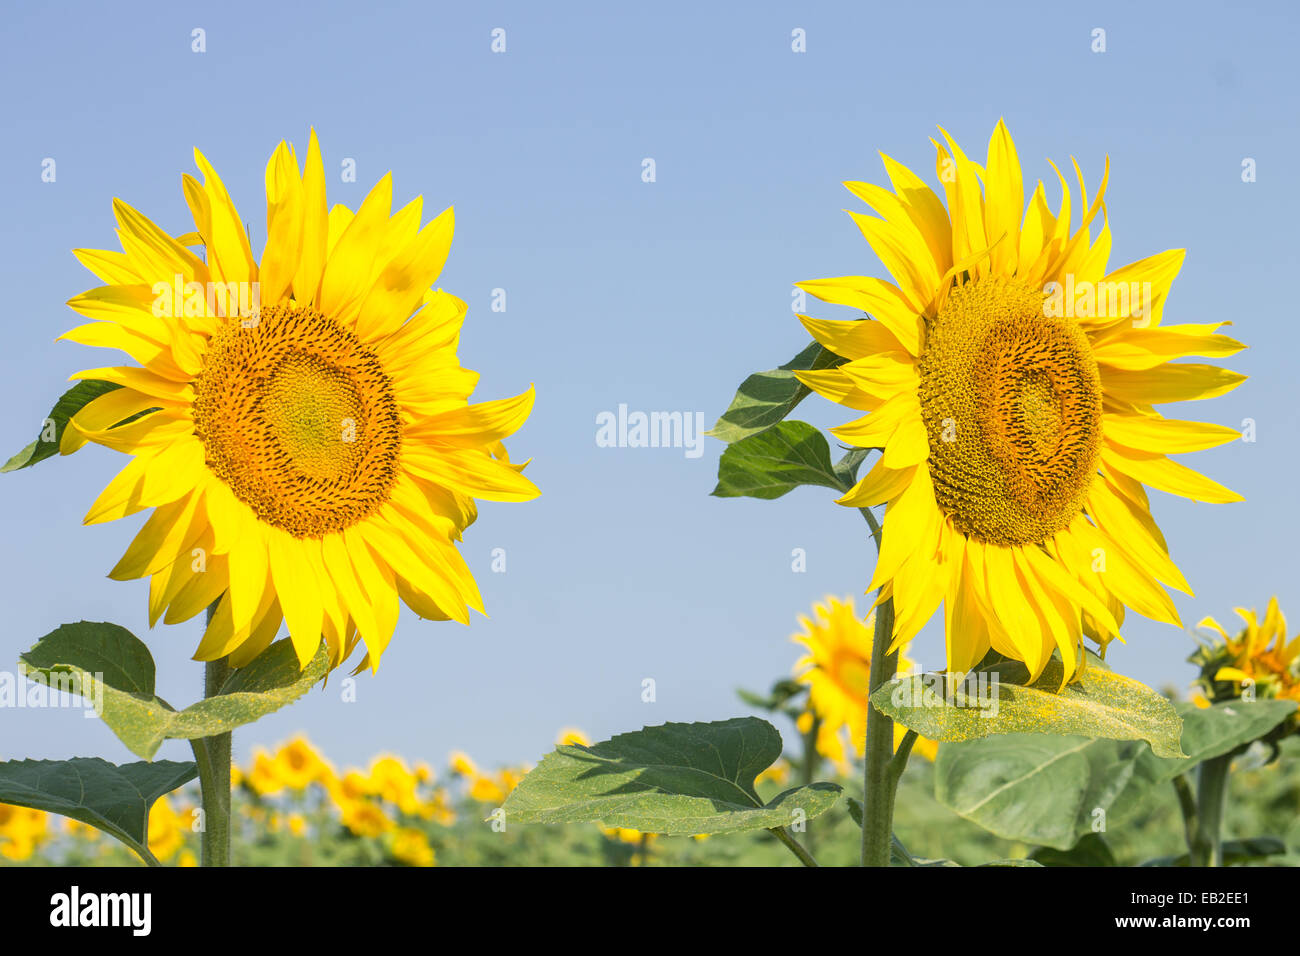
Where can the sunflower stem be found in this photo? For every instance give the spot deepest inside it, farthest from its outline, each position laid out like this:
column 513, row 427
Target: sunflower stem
column 212, row 754
column 1187, row 805
column 1211, row 794
column 782, row 834
column 879, row 784
column 899, row 762
column 811, row 764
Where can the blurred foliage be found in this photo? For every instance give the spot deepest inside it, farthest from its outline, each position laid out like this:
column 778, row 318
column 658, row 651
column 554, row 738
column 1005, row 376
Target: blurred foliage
column 292, row 808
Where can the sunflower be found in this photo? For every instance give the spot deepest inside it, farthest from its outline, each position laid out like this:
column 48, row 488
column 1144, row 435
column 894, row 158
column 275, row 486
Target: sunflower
column 22, row 830
column 298, row 765
column 411, row 847
column 837, row 672
column 1259, row 654
column 1010, row 380
column 300, row 425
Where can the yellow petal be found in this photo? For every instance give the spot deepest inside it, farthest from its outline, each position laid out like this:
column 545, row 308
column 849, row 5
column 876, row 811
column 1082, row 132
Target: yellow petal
column 881, row 484
column 1168, row 383
column 1146, row 348
column 471, row 471
column 170, row 531
column 350, row 268
column 853, row 340
column 1006, row 198
column 907, row 520
column 230, row 257
column 1165, row 435
column 315, row 227
column 1157, row 471
column 400, row 286
column 284, row 215
column 298, row 589
column 880, row 299
column 833, row 384
column 874, row 430
column 904, row 254
column 477, row 425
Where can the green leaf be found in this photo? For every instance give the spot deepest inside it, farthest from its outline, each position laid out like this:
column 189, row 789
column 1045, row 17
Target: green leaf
column 1018, row 861
column 1220, row 729
column 1235, row 852
column 270, row 681
column 776, row 461
column 1091, row 850
column 846, row 469
column 1100, row 703
column 674, row 779
column 115, row 799
column 113, row 669
column 1037, row 788
column 782, row 692
column 47, row 442
column 765, row 398
column 1052, row 790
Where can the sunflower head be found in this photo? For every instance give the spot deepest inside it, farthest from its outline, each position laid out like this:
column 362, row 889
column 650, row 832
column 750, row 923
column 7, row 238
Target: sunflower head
column 837, row 671
column 1009, row 377
column 298, row 765
column 300, row 422
column 1258, row 660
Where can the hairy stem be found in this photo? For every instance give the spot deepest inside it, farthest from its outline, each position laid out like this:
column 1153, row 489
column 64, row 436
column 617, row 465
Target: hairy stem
column 792, row 844
column 212, row 754
column 1186, row 804
column 879, row 784
column 1211, row 792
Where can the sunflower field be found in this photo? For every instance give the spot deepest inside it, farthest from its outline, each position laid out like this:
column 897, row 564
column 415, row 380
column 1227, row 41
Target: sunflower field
column 983, row 563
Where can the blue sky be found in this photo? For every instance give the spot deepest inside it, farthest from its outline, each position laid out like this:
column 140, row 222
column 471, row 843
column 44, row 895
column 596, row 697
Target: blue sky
column 661, row 295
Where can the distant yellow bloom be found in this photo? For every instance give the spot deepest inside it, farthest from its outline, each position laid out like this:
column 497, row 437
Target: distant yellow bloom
column 365, row 818
column 511, row 777
column 837, row 670
column 462, row 765
column 438, row 808
column 298, row 765
column 81, row 831
column 572, row 736
column 411, row 847
column 486, row 788
column 1258, row 656
column 167, row 829
column 778, row 773
column 628, row 835
column 264, row 776
column 22, row 829
column 391, row 780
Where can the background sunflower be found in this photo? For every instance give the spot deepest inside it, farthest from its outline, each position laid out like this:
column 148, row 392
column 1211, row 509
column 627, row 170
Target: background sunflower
column 837, row 671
